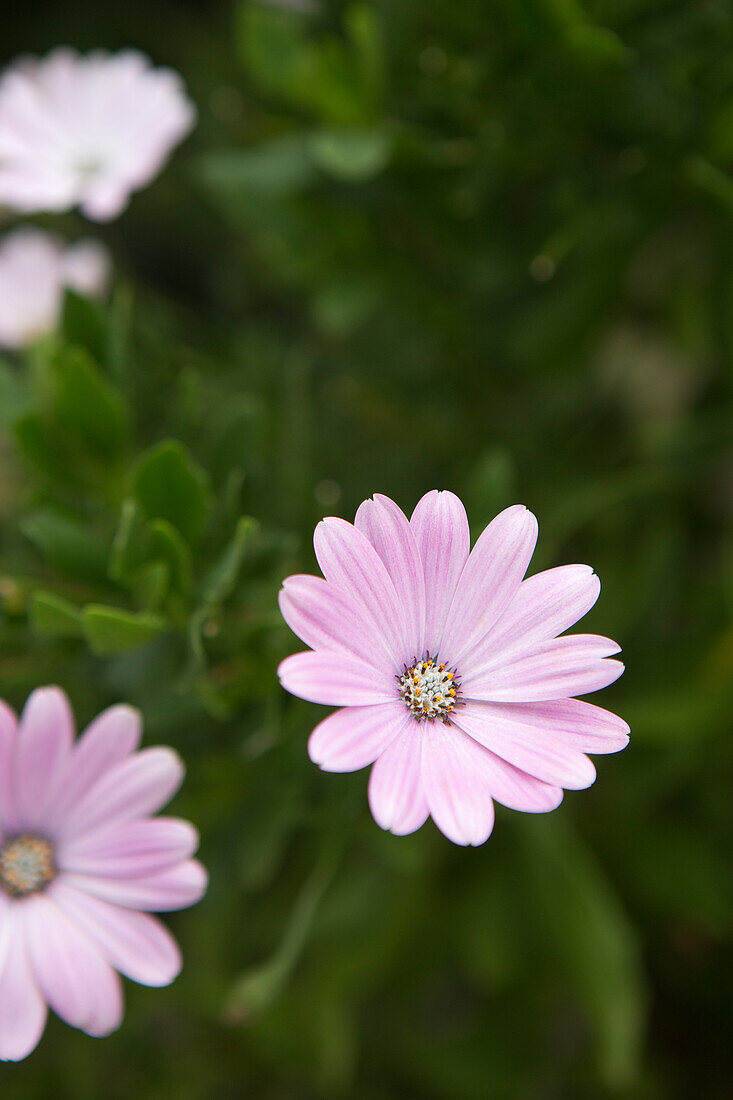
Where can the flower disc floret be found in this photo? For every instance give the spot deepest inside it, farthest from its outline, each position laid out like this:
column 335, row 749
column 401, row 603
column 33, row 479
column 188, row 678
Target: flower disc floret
column 429, row 689
column 26, row 865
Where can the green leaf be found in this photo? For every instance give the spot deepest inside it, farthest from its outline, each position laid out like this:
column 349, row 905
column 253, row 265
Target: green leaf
column 52, row 616
column 260, row 986
column 711, row 180
column 223, row 577
column 594, row 940
column 491, row 486
column 332, row 76
column 238, row 443
column 363, row 25
column 151, row 584
column 272, row 42
column 350, row 154
column 111, row 630
column 276, row 168
column 342, row 306
column 219, row 585
column 83, row 323
column 67, row 544
column 12, row 394
column 127, row 555
column 43, row 448
column 86, row 405
column 165, row 543
column 169, row 485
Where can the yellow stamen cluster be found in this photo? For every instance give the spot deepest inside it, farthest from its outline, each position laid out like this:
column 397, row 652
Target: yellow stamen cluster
column 26, row 865
column 429, row 689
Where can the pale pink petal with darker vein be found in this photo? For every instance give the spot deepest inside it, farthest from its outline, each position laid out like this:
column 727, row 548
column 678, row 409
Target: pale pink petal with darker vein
column 334, row 679
column 175, row 887
column 22, row 1006
column 452, row 672
column 136, row 787
column 135, row 943
column 42, row 749
column 351, row 564
column 390, row 534
column 396, row 791
column 129, row 848
column 544, row 755
column 490, row 580
column 107, row 741
column 354, row 737
column 325, row 618
column 72, row 975
column 518, row 789
column 440, row 525
column 545, row 605
column 572, row 665
column 455, row 785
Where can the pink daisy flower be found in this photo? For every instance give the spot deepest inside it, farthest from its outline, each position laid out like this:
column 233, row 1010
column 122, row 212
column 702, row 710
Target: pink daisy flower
column 86, row 130
column 80, row 858
column 35, row 268
column 453, row 681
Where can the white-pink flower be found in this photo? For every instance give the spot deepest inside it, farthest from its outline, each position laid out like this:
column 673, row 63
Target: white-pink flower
column 81, row 857
column 86, row 130
column 35, row 269
column 453, row 680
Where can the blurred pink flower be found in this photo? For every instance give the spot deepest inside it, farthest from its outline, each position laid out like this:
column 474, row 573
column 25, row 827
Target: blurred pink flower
column 35, row 267
column 80, row 857
column 86, row 130
column 454, row 682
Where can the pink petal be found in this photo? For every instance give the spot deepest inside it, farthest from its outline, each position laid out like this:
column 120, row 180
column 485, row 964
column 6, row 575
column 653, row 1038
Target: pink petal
column 489, row 581
column 349, row 561
column 85, row 267
column 107, row 741
column 354, row 737
column 544, row 606
column 138, row 786
column 518, row 790
column 571, row 665
column 129, row 849
column 581, row 725
column 113, row 108
column 104, row 200
column 176, row 888
column 543, row 755
column 43, row 746
column 136, row 944
column 76, row 981
column 22, row 1008
column 8, row 733
column 387, row 528
column 440, row 525
column 396, row 797
column 336, row 680
column 325, row 618
column 455, row 784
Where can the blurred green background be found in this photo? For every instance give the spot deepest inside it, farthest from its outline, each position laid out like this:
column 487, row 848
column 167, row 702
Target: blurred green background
column 480, row 246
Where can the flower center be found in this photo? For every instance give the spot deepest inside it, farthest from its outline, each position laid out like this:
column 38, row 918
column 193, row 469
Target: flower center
column 430, row 690
column 26, row 865
column 87, row 167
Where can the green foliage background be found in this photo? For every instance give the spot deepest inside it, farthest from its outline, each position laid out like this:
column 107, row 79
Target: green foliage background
column 482, row 246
